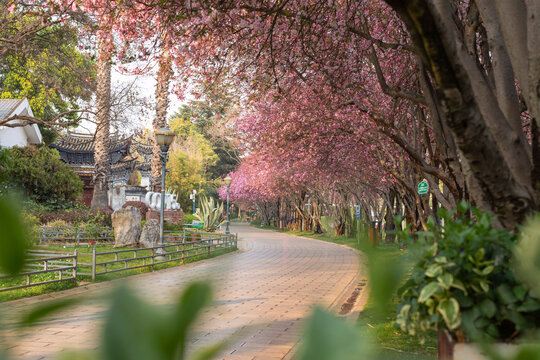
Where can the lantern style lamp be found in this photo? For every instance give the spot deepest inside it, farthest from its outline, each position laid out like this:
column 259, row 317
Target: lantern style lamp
column 164, row 138
column 227, row 182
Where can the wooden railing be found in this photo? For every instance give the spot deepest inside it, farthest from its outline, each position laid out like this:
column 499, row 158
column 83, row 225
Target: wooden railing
column 176, row 248
column 48, row 262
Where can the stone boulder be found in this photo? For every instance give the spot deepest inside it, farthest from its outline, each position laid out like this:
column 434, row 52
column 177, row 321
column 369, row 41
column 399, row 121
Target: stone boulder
column 127, row 226
column 150, row 234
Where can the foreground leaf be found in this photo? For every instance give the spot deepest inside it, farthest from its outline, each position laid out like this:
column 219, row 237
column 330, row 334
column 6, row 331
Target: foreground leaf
column 330, row 338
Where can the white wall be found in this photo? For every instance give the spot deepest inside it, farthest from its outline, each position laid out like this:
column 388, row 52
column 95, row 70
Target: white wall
column 12, row 137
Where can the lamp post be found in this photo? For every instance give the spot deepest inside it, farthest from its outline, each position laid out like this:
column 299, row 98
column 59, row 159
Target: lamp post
column 193, row 197
column 164, row 138
column 227, row 181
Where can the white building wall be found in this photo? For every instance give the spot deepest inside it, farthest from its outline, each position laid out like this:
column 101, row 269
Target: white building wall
column 10, row 137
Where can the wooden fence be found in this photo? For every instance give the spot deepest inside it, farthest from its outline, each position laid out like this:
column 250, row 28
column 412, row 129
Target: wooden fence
column 66, row 267
column 176, row 248
column 74, row 235
column 39, row 263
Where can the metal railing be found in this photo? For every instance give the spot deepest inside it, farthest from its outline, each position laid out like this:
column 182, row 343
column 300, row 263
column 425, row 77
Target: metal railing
column 48, row 262
column 73, row 234
column 177, row 248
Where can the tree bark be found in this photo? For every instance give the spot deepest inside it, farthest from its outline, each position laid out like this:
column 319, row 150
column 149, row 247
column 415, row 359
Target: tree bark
column 499, row 186
column 160, row 120
column 101, row 142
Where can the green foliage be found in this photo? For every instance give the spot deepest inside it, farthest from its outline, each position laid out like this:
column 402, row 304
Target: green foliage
column 188, row 218
column 328, row 337
column 463, row 281
column 49, row 70
column 13, row 241
column 210, row 213
column 205, row 153
column 92, row 228
column 31, row 227
column 43, row 177
column 172, row 227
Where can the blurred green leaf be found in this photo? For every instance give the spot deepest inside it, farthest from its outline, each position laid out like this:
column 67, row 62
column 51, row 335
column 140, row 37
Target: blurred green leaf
column 12, row 238
column 209, row 352
column 133, row 329
column 330, row 338
column 488, row 308
column 385, row 276
column 504, row 292
column 196, row 296
column 445, row 280
column 449, row 309
column 42, row 311
column 428, row 291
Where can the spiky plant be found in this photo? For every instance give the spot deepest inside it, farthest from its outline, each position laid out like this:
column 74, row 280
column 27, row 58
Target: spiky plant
column 210, row 213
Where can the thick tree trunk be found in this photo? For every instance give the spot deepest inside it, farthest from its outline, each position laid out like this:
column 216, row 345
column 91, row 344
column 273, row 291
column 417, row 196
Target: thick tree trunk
column 162, row 104
column 101, row 142
column 500, row 184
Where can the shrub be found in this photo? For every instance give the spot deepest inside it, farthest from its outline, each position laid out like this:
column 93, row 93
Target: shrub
column 188, row 218
column 58, row 223
column 463, row 281
column 173, row 226
column 77, row 216
column 31, row 225
column 43, row 176
column 139, row 205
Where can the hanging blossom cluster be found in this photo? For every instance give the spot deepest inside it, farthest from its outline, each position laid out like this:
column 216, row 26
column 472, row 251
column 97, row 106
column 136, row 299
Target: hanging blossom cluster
column 308, row 72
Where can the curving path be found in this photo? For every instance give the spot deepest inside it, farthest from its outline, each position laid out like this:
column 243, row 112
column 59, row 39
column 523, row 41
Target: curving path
column 263, row 292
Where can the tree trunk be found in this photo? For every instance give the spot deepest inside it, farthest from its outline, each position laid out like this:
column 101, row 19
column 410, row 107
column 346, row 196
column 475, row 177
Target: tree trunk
column 471, row 120
column 162, row 104
column 101, row 142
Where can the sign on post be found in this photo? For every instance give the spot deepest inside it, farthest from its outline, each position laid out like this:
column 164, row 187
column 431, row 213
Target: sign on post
column 357, row 209
column 423, row 187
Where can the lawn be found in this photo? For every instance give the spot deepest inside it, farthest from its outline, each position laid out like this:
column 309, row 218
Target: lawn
column 84, row 258
column 393, row 343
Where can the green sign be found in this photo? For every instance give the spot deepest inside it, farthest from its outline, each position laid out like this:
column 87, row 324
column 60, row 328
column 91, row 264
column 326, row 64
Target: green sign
column 423, row 187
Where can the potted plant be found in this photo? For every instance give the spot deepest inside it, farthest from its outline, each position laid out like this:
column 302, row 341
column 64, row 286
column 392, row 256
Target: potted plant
column 464, row 285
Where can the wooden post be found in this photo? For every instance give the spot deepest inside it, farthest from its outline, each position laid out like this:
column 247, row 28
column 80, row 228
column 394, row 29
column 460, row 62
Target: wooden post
column 94, row 263
column 75, row 267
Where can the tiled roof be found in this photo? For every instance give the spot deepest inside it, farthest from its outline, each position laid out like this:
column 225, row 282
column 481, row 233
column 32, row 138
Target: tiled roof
column 139, row 147
column 84, row 143
column 7, row 106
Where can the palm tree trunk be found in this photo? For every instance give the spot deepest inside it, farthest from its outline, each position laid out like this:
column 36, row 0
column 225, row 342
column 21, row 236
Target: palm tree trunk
column 162, row 104
column 101, row 141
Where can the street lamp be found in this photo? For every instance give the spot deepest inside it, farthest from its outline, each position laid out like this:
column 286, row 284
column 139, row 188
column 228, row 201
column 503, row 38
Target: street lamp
column 193, row 198
column 227, row 181
column 164, row 138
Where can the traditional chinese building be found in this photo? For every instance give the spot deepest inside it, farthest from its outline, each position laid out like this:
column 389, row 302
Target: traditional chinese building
column 129, row 160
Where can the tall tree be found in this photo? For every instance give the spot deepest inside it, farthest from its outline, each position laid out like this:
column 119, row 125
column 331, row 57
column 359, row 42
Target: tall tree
column 162, row 105
column 103, row 102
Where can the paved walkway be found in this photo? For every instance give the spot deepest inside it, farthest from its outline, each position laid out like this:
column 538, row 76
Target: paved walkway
column 268, row 288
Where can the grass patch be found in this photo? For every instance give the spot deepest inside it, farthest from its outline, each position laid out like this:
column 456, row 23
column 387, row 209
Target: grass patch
column 84, row 256
column 393, row 343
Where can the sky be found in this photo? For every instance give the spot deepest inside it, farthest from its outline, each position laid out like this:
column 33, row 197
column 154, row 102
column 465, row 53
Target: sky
column 143, row 88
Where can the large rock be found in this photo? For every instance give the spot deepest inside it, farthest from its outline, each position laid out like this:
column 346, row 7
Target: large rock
column 127, row 226
column 150, row 234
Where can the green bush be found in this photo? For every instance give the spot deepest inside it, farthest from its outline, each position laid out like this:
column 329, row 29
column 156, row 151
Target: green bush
column 31, row 226
column 173, row 227
column 76, row 216
column 42, row 175
column 188, row 218
column 463, row 281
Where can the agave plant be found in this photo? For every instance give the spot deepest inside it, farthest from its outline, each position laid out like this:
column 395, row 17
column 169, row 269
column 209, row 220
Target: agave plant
column 210, row 213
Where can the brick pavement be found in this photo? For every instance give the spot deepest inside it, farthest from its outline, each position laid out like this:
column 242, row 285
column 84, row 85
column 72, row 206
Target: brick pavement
column 263, row 292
